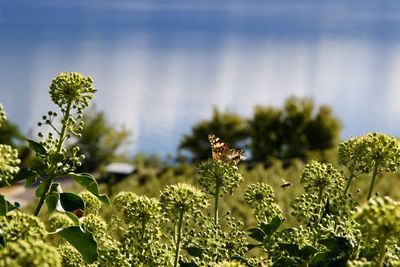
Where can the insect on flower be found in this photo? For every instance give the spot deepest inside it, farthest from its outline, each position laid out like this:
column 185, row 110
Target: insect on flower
column 220, row 150
column 285, row 184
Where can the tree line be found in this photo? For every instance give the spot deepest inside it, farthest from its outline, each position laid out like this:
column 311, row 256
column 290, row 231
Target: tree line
column 283, row 133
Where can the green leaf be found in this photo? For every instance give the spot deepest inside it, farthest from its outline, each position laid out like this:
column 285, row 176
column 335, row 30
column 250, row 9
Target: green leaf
column 3, row 206
column 286, row 262
column 257, row 234
column 71, row 202
column 56, row 157
column 73, row 217
column 321, row 259
column 292, row 249
column 40, row 189
column 6, row 206
column 337, row 245
column 194, row 251
column 2, row 239
column 52, row 200
column 271, row 227
column 88, row 182
column 37, row 147
column 83, row 241
column 25, row 174
column 187, row 264
column 307, row 252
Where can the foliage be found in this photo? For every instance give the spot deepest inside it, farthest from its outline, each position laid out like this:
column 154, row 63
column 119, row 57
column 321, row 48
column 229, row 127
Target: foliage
column 291, row 131
column 99, row 141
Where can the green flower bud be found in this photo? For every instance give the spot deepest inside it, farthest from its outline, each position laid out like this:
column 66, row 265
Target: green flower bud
column 182, row 198
column 32, row 253
column 59, row 220
column 72, row 88
column 8, row 163
column 213, row 173
column 18, row 225
column 92, row 203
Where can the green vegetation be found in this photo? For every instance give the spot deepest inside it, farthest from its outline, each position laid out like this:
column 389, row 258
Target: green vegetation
column 217, row 213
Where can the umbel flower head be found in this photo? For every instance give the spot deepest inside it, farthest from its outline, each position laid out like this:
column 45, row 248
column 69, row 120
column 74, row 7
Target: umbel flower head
column 32, row 253
column 261, row 198
column 320, row 177
column 380, row 218
column 182, row 198
column 8, row 163
column 72, row 88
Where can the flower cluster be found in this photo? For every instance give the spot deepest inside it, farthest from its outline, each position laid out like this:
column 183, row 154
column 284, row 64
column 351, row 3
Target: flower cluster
column 373, row 150
column 72, row 88
column 8, row 163
column 138, row 209
column 32, row 253
column 261, row 198
column 321, row 178
column 19, row 225
column 59, row 220
column 380, row 218
column 92, row 203
column 218, row 173
column 182, row 198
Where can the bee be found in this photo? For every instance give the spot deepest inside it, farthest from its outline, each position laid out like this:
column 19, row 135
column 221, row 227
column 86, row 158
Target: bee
column 285, row 184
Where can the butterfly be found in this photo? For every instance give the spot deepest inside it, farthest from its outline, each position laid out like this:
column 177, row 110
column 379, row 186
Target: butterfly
column 220, row 150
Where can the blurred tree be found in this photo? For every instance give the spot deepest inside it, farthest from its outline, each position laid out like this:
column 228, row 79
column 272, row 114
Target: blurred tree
column 292, row 131
column 10, row 134
column 323, row 132
column 297, row 115
column 265, row 133
column 231, row 128
column 100, row 141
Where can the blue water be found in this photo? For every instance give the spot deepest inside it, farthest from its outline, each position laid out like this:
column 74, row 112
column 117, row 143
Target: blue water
column 160, row 66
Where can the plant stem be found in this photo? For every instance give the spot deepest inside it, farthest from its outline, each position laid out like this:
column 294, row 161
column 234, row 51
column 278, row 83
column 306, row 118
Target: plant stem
column 349, row 180
column 373, row 178
column 43, row 196
column 382, row 251
column 51, row 177
column 178, row 242
column 216, row 203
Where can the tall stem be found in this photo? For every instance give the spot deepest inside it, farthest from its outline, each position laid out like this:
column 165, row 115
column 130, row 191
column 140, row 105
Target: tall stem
column 382, row 251
column 216, row 201
column 373, row 178
column 349, row 180
column 178, row 242
column 51, row 177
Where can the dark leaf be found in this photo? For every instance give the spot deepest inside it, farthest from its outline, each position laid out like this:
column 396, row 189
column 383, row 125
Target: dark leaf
column 73, row 217
column 251, row 246
column 3, row 206
column 194, row 251
column 52, row 200
column 187, row 264
column 83, row 241
column 320, row 260
column 286, row 262
column 271, row 227
column 307, row 252
column 337, row 245
column 88, row 182
column 25, row 174
column 292, row 249
column 257, row 234
column 37, row 147
column 56, row 157
column 71, row 202
column 40, row 189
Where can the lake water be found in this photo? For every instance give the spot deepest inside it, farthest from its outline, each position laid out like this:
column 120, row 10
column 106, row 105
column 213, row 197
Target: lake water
column 159, row 68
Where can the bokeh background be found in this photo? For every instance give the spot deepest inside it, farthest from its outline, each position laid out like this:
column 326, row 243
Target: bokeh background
column 161, row 66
